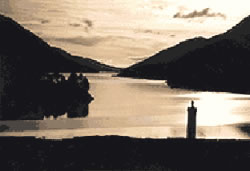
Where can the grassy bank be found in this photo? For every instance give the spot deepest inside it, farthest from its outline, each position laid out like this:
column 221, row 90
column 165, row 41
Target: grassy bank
column 113, row 152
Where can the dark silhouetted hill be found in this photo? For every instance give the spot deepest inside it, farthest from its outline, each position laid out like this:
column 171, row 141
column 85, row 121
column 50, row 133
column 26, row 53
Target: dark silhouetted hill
column 25, row 60
column 221, row 63
column 154, row 66
column 241, row 29
column 34, row 54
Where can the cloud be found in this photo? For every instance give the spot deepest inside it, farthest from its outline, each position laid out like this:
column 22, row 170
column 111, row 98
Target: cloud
column 88, row 41
column 79, row 40
column 89, row 23
column 203, row 13
column 137, row 58
column 30, row 25
column 148, row 31
column 159, row 7
column 44, row 21
column 151, row 31
column 74, row 24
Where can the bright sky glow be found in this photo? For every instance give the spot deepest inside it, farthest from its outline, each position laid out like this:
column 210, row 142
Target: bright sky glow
column 122, row 32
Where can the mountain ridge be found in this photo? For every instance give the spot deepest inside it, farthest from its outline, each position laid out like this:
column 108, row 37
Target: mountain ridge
column 214, row 64
column 18, row 41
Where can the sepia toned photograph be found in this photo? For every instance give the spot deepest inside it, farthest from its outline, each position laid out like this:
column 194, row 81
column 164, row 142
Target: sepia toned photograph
column 124, row 85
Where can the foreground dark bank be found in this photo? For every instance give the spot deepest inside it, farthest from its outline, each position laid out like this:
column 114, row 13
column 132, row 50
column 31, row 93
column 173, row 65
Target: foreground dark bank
column 123, row 153
column 220, row 63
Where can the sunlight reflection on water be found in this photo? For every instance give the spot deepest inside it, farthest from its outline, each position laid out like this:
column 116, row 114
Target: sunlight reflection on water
column 219, row 108
column 144, row 108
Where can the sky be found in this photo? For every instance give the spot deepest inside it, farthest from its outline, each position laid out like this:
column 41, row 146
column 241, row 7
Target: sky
column 123, row 32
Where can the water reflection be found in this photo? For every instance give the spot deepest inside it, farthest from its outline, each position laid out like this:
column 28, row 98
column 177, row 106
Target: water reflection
column 219, row 108
column 143, row 108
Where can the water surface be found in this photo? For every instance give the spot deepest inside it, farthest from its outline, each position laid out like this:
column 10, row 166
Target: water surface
column 144, row 108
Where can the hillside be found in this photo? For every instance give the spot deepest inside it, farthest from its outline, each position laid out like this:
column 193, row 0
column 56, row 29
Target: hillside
column 154, row 66
column 220, row 63
column 26, row 89
column 24, row 47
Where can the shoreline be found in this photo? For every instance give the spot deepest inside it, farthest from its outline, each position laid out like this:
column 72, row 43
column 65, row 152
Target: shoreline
column 123, row 153
column 188, row 88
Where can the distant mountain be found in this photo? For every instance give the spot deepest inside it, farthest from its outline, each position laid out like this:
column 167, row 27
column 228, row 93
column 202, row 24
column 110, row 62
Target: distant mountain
column 34, row 54
column 155, row 66
column 221, row 63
